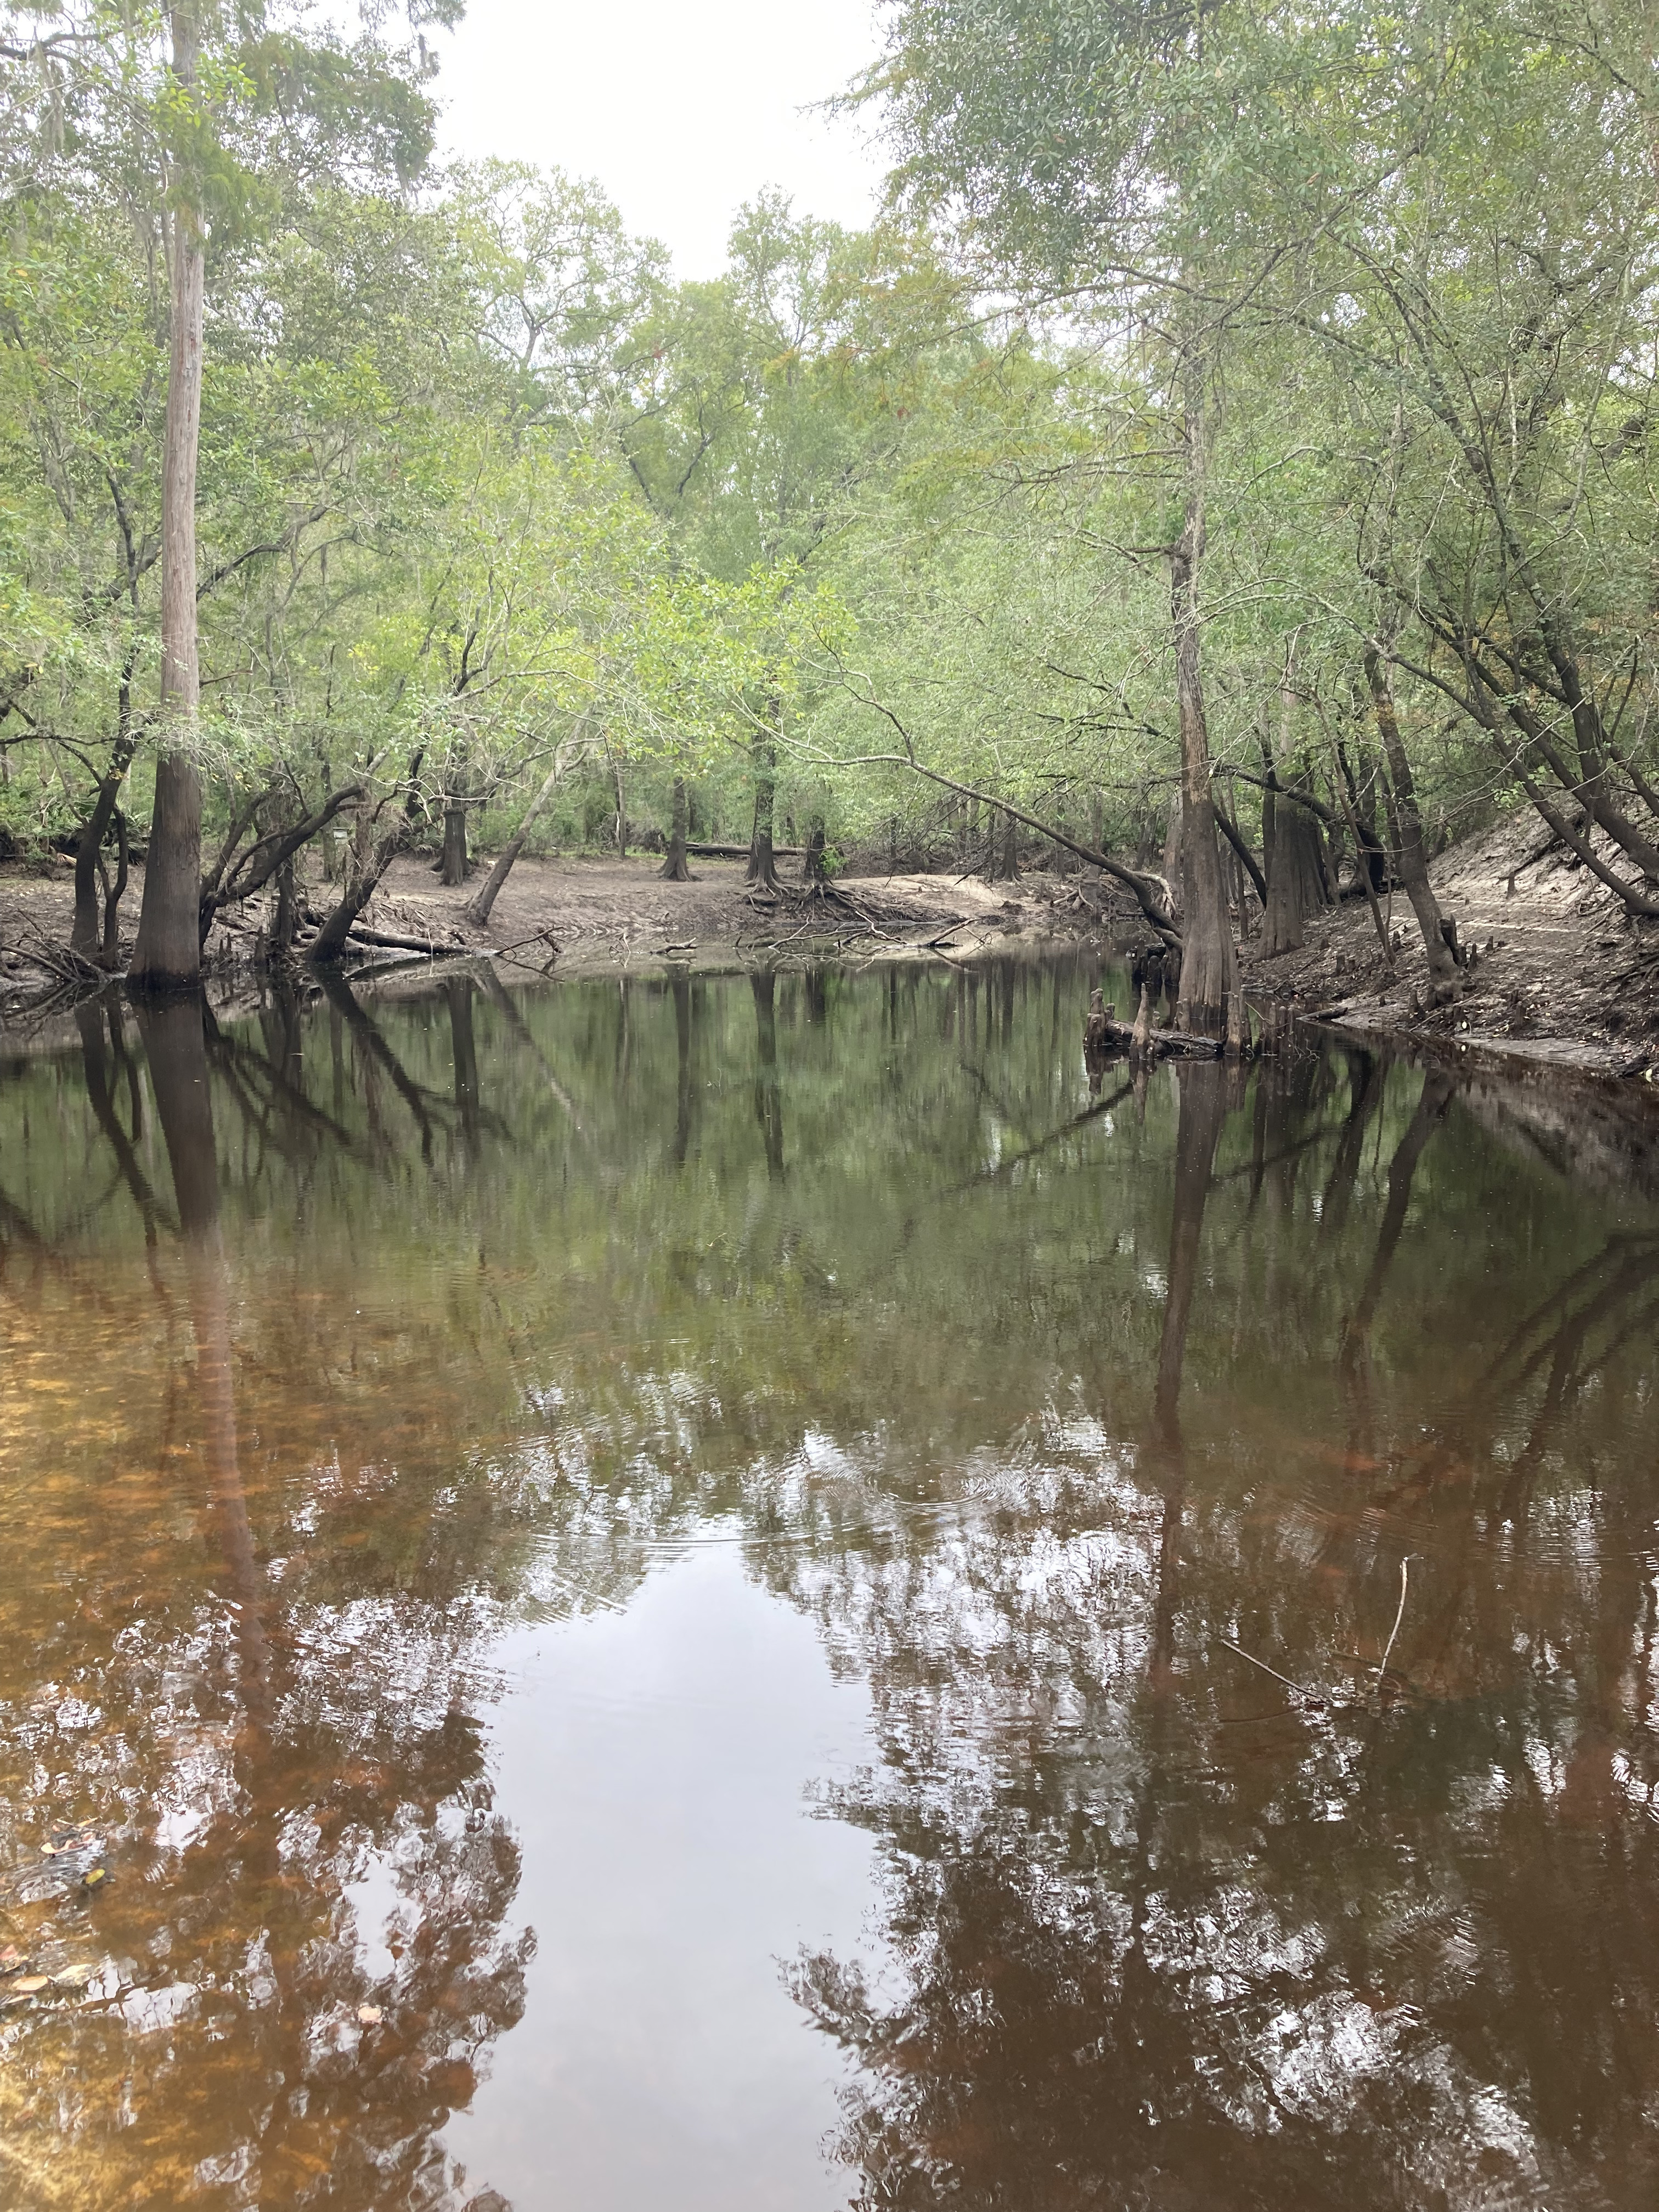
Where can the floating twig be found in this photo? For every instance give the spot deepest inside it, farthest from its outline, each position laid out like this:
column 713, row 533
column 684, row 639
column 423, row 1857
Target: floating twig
column 1400, row 1614
column 1295, row 1688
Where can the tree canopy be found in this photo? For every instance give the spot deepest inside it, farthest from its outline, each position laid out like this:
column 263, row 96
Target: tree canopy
column 1235, row 437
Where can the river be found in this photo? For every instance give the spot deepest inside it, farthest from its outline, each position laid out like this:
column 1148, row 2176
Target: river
column 746, row 1592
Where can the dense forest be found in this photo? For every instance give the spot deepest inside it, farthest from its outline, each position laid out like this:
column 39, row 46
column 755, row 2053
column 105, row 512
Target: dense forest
column 1229, row 460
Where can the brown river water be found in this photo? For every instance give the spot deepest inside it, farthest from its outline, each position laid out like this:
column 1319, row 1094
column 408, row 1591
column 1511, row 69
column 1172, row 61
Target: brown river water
column 635, row 1597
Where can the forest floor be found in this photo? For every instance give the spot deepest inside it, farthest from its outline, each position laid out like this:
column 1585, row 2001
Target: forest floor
column 612, row 912
column 609, row 913
column 1561, row 975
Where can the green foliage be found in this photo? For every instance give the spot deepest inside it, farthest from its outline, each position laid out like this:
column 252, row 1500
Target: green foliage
column 483, row 488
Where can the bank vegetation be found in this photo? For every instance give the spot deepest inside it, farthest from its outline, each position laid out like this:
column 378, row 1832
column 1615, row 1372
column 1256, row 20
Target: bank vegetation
column 1228, row 463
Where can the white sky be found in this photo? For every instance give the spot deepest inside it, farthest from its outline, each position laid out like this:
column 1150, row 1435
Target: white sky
column 681, row 109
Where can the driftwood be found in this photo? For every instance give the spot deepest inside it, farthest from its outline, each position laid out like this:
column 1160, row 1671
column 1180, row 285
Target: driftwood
column 1165, row 1044
column 360, row 934
column 1103, row 1035
column 741, row 852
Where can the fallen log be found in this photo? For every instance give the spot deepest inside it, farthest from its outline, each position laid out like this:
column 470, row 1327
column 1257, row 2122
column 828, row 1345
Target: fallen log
column 1103, row 1038
column 741, row 852
column 360, row 934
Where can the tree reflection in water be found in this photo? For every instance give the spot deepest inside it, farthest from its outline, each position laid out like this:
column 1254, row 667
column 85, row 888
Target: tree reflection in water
column 263, row 1753
column 1093, row 1431
column 1177, row 1930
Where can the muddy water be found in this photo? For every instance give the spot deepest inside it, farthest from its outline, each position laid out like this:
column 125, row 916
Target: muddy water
column 744, row 1594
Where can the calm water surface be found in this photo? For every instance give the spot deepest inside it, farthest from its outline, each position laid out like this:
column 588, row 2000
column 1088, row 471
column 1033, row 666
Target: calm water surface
column 741, row 1594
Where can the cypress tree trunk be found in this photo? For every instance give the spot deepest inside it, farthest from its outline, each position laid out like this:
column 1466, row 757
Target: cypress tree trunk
column 1296, row 865
column 673, row 869
column 763, row 868
column 1295, row 878
column 86, row 935
column 168, row 950
column 452, row 865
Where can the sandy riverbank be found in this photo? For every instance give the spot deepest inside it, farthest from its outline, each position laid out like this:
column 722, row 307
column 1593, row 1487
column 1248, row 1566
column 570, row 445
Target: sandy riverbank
column 1562, row 976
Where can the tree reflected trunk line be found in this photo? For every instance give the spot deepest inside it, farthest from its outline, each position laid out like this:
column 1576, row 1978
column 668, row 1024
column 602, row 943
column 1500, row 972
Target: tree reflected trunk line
column 425, row 1105
column 1365, row 1097
column 768, row 1096
column 1435, row 1096
column 684, row 1089
column 1570, row 1369
column 1096, row 1110
column 1622, row 1250
column 1203, row 1092
column 501, row 999
column 1203, row 1110
column 96, row 1072
column 463, row 1053
column 175, row 1041
column 1467, row 1429
column 239, row 1067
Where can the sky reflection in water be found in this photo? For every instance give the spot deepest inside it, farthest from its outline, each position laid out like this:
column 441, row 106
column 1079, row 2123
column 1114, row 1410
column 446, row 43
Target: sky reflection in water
column 794, row 1599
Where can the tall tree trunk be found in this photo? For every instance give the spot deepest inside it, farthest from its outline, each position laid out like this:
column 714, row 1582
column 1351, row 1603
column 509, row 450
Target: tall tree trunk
column 168, row 952
column 762, row 869
column 1296, row 873
column 1445, row 981
column 1209, row 961
column 1251, row 877
column 1294, row 877
column 452, row 865
column 1281, row 927
column 673, row 869
column 477, row 913
column 812, row 869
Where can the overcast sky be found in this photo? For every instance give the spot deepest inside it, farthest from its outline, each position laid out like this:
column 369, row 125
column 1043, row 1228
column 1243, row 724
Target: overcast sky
column 681, row 109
